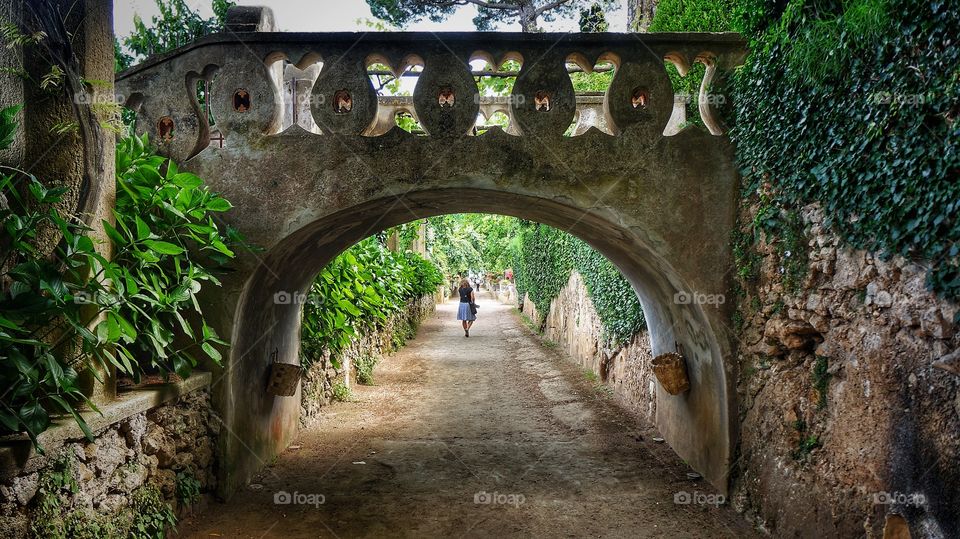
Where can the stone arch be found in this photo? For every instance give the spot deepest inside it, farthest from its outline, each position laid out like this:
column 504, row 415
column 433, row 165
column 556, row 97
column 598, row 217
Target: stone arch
column 260, row 425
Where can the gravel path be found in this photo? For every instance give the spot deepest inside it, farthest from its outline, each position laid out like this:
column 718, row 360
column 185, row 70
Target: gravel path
column 491, row 436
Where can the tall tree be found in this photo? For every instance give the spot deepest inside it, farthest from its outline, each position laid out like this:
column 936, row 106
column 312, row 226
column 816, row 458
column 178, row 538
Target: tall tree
column 526, row 12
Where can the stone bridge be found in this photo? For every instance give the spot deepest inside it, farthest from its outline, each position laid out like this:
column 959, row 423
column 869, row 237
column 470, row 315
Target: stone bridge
column 659, row 207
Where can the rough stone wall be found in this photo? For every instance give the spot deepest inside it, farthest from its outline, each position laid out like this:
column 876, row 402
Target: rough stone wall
column 847, row 424
column 316, row 390
column 147, row 449
column 573, row 323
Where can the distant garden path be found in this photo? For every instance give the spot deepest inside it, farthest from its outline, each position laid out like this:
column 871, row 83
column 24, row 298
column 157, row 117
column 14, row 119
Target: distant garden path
column 453, row 421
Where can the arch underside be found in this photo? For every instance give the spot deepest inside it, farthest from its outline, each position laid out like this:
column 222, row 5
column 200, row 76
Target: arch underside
column 696, row 424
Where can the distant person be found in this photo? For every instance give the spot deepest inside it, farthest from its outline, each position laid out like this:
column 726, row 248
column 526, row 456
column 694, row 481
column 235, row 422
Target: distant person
column 453, row 285
column 467, row 312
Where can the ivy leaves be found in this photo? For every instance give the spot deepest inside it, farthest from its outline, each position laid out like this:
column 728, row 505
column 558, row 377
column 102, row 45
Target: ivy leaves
column 544, row 259
column 872, row 137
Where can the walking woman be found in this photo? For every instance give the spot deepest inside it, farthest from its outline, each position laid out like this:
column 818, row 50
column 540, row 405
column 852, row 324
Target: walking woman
column 467, row 314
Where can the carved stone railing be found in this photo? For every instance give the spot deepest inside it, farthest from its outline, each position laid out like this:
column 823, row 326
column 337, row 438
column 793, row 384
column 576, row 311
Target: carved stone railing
column 245, row 77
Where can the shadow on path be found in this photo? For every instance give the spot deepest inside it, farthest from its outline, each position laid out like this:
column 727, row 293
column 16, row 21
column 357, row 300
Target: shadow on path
column 491, row 436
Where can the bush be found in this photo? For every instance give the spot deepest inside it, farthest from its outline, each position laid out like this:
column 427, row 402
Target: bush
column 65, row 308
column 357, row 291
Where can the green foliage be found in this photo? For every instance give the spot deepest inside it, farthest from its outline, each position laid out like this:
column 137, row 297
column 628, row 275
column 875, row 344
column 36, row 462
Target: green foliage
column 187, row 487
column 56, row 484
column 592, row 19
column 65, row 308
column 807, row 442
column 526, row 12
column 544, row 258
column 846, row 105
column 358, row 290
column 151, row 515
column 88, row 524
column 364, row 366
column 806, row 446
column 167, row 245
column 176, row 25
column 8, row 125
column 692, row 16
column 341, row 393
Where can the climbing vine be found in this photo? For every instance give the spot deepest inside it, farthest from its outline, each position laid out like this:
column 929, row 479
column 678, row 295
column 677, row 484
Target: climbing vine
column 843, row 104
column 544, row 259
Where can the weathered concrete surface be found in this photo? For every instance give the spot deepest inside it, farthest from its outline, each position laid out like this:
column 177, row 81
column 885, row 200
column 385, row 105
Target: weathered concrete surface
column 660, row 208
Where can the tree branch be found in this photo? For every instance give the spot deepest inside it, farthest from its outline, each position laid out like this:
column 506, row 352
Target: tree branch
column 552, row 5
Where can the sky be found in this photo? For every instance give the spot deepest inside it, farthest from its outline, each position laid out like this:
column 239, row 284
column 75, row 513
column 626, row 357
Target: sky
column 337, row 16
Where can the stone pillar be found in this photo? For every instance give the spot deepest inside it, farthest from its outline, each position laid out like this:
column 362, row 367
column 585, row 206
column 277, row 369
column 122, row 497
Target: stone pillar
column 59, row 152
column 11, row 85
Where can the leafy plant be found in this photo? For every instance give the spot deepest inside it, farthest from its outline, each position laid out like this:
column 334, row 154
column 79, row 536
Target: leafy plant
column 843, row 104
column 44, row 326
column 65, row 308
column 359, row 290
column 55, row 484
column 175, row 25
column 186, row 487
column 544, row 258
column 341, row 393
column 167, row 244
column 151, row 515
column 364, row 366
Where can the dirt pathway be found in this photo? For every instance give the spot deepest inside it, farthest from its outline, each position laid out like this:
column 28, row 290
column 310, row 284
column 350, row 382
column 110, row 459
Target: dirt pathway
column 491, row 436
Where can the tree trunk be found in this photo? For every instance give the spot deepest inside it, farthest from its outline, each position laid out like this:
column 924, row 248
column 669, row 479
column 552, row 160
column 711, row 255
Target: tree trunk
column 528, row 17
column 639, row 14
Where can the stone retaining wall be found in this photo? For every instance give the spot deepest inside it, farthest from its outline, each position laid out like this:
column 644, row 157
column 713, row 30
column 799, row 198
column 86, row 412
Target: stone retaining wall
column 318, row 382
column 573, row 323
column 132, row 467
column 849, row 397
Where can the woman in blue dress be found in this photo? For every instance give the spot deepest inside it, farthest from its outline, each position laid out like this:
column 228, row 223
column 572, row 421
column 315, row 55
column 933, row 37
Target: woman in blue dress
column 465, row 313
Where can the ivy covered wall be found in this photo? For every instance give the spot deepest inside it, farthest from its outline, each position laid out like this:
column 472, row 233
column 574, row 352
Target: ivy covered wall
column 852, row 105
column 543, row 260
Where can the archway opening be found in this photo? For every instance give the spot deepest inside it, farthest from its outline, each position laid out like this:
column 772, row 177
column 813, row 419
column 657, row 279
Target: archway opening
column 696, row 423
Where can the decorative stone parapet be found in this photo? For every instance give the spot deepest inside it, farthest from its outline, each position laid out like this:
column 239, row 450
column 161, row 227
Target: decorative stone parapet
column 244, row 69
